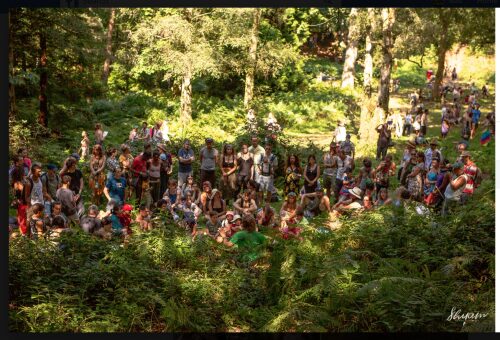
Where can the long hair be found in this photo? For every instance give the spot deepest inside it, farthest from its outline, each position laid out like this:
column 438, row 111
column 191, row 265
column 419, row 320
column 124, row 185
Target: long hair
column 224, row 152
column 297, row 162
column 97, row 148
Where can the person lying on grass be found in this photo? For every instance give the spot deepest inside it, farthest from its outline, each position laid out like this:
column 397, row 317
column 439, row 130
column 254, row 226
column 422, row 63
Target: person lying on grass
column 249, row 241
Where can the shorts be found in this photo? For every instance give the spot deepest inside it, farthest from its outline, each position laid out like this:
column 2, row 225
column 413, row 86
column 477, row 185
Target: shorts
column 328, row 181
column 266, row 183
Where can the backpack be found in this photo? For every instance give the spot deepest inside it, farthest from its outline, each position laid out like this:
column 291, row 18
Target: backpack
column 45, row 179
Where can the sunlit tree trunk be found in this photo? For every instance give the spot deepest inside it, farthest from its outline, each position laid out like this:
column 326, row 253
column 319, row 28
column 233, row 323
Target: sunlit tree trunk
column 388, row 17
column 351, row 52
column 186, row 95
column 43, row 115
column 250, row 74
column 442, row 49
column 109, row 48
column 368, row 70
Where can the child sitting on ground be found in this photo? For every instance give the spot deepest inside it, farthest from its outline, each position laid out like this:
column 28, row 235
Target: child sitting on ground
column 293, row 230
column 228, row 229
column 144, row 218
column 213, row 224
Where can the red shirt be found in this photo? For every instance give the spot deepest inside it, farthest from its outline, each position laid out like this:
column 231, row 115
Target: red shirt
column 470, row 170
column 139, row 165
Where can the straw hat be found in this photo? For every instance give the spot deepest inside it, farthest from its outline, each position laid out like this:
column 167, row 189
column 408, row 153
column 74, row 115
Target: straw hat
column 356, row 192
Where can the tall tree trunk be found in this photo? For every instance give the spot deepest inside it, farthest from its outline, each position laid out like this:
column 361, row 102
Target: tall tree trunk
column 442, row 49
column 109, row 46
column 351, row 52
column 186, row 94
column 43, row 115
column 12, row 90
column 368, row 70
column 250, row 74
column 388, row 17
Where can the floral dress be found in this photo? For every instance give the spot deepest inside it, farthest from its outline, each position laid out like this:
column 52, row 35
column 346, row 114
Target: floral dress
column 292, row 181
column 415, row 184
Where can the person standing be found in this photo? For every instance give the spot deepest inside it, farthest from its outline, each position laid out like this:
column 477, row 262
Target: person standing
column 115, row 189
column 22, row 192
column 166, row 167
column 257, row 151
column 186, row 158
column 97, row 178
column 431, row 153
column 84, row 145
column 476, row 115
column 342, row 162
column 329, row 172
column 266, row 167
column 139, row 174
column 68, row 200
column 98, row 134
column 407, row 124
column 209, row 157
column 471, row 169
column 423, row 121
column 340, row 133
column 293, row 174
column 76, row 183
column 51, row 182
column 384, row 137
column 245, row 169
column 228, row 165
column 311, row 175
column 348, row 146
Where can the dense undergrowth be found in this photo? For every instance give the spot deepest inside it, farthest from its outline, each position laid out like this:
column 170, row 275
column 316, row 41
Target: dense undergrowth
column 387, row 270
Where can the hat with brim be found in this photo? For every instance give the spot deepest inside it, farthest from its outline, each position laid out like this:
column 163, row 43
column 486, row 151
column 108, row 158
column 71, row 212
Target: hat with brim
column 51, row 167
column 236, row 217
column 229, row 213
column 411, row 144
column 465, row 154
column 162, row 147
column 356, row 192
column 457, row 165
column 127, row 207
column 75, row 156
column 433, row 141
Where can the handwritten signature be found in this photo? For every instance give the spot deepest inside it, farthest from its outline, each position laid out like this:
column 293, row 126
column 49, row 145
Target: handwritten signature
column 457, row 315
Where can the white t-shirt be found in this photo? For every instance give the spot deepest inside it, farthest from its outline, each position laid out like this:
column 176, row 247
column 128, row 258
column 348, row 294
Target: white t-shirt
column 340, row 134
column 342, row 165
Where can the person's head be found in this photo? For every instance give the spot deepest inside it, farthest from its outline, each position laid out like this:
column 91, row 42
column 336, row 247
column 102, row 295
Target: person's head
column 341, row 154
column 156, row 156
column 355, row 193
column 348, row 172
column 190, row 179
column 97, row 150
column 147, row 148
column 18, row 160
column 311, row 160
column 207, row 186
column 246, row 195
column 382, row 194
column 117, row 173
column 268, row 211
column 348, row 136
column 292, row 159
column 56, row 208
column 244, row 148
column 216, row 195
column 195, row 187
column 291, row 197
column 268, row 148
column 461, row 147
column 36, row 170
column 465, row 157
column 111, row 152
column 146, row 155
column 237, row 221
column 212, row 216
column 172, row 184
column 229, row 216
column 367, row 202
column 71, row 164
column 58, row 222
column 162, row 204
column 388, row 159
column 319, row 192
column 65, row 181
column 333, row 148
column 367, row 163
column 255, row 141
column 125, row 149
column 186, row 144
column 209, row 142
column 84, row 133
column 23, row 152
column 144, row 125
column 251, row 185
column 37, row 209
column 248, row 223
column 299, row 213
column 420, row 156
column 228, row 149
column 143, row 210
column 51, row 169
column 93, row 210
column 98, row 126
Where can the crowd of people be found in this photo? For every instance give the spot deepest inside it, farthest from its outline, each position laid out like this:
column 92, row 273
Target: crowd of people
column 229, row 199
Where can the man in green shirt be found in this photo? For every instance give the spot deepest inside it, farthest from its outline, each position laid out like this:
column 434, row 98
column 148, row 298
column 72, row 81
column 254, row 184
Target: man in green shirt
column 248, row 241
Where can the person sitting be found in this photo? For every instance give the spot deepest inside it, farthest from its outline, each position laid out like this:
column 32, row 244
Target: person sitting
column 189, row 210
column 288, row 209
column 37, row 224
column 347, row 183
column 213, row 224
column 383, row 198
column 254, row 191
column 291, row 228
column 56, row 210
column 245, row 205
column 315, row 203
column 197, row 229
column 266, row 217
column 249, row 241
column 125, row 218
column 90, row 223
column 353, row 203
column 173, row 194
column 58, row 227
column 216, row 204
column 106, row 232
column 229, row 229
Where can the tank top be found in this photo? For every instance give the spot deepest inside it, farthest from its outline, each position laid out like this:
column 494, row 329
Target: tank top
column 36, row 192
column 329, row 163
column 154, row 171
column 311, row 173
column 220, row 209
column 245, row 166
column 97, row 163
column 228, row 164
column 455, row 195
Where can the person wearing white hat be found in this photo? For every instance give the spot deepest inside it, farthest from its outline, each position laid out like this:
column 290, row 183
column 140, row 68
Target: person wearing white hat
column 353, row 202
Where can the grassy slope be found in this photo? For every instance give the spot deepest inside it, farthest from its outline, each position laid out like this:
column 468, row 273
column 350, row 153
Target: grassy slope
column 382, row 272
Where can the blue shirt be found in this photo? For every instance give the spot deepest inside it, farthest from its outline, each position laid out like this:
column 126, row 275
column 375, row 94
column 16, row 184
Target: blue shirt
column 475, row 116
column 116, row 188
column 183, row 153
